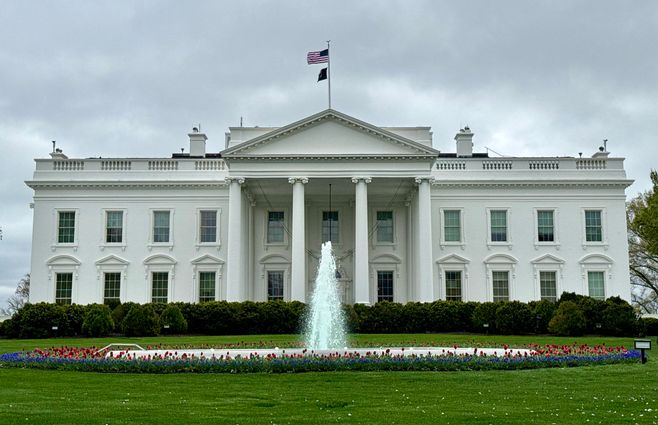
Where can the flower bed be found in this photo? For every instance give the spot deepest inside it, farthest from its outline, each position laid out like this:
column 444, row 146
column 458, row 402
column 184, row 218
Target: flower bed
column 91, row 360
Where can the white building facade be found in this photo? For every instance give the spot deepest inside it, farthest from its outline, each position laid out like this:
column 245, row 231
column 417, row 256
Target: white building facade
column 407, row 222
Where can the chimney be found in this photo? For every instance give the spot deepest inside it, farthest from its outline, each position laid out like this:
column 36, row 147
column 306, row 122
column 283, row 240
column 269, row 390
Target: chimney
column 57, row 152
column 464, row 141
column 197, row 142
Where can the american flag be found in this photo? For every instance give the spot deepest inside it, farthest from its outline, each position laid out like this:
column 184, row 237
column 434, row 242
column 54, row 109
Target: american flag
column 318, row 57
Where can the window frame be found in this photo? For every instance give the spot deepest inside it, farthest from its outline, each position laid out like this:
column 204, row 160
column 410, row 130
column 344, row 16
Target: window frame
column 152, row 242
column 284, row 226
column 218, row 215
column 268, row 273
column 509, row 285
column 76, row 229
column 104, row 216
column 556, row 275
column 377, row 285
column 603, row 283
column 340, row 227
column 508, row 227
column 214, row 285
column 57, row 299
column 442, row 219
column 152, row 287
column 555, row 242
column 393, row 226
column 120, row 283
column 461, row 285
column 604, row 233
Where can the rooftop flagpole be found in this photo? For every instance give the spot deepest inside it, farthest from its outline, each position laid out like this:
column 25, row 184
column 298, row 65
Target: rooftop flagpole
column 329, row 72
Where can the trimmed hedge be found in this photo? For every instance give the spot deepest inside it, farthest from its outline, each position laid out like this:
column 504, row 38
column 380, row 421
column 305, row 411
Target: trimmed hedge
column 582, row 315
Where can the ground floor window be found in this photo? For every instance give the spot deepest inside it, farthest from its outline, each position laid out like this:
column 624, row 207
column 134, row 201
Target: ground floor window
column 63, row 288
column 206, row 286
column 112, row 287
column 160, row 287
column 500, row 281
column 548, row 285
column 453, row 285
column 274, row 285
column 595, row 282
column 384, row 286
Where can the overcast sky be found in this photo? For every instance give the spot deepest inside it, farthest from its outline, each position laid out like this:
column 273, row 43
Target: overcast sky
column 131, row 78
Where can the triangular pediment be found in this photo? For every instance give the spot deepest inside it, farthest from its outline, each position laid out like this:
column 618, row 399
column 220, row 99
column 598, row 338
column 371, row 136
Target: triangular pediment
column 112, row 260
column 453, row 259
column 547, row 259
column 207, row 259
column 329, row 134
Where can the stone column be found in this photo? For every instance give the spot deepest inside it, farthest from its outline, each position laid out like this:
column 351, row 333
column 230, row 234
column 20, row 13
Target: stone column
column 424, row 275
column 234, row 258
column 298, row 272
column 361, row 261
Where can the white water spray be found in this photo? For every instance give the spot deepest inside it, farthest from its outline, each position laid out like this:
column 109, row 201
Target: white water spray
column 325, row 325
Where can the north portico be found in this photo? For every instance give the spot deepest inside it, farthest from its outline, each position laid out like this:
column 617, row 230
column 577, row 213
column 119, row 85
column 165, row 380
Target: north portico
column 345, row 172
column 407, row 222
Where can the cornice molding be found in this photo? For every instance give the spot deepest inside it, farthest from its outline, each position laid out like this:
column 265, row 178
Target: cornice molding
column 333, row 157
column 35, row 184
column 528, row 183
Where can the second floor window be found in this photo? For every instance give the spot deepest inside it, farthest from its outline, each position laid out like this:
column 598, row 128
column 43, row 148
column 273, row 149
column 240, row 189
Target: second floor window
column 330, row 226
column 545, row 227
column 451, row 226
column 208, row 226
column 114, row 226
column 161, row 226
column 498, row 226
column 593, row 226
column 275, row 227
column 385, row 226
column 66, row 227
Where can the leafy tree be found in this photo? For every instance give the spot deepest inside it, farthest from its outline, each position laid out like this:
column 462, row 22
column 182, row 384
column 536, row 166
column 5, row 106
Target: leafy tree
column 642, row 220
column 20, row 297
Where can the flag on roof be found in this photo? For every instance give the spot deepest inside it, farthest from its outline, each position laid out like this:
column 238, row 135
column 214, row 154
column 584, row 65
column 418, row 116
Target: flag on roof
column 323, row 74
column 318, row 57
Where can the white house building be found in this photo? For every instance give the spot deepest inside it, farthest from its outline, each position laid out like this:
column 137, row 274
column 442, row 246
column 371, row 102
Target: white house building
column 407, row 222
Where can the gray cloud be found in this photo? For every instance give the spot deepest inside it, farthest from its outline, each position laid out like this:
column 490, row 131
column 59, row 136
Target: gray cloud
column 131, row 78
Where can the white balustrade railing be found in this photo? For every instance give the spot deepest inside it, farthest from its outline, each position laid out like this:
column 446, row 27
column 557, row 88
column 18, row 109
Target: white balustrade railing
column 68, row 165
column 116, row 165
column 163, row 165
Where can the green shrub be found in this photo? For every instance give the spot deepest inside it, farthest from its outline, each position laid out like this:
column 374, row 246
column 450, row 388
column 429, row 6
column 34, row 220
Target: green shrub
column 38, row 320
column 619, row 318
column 415, row 317
column 514, row 317
column 98, row 320
column 141, row 320
column 119, row 313
column 543, row 312
column 568, row 320
column 172, row 320
column 485, row 314
column 74, row 316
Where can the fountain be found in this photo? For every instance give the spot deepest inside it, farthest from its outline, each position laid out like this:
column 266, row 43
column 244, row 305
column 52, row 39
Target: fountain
column 325, row 325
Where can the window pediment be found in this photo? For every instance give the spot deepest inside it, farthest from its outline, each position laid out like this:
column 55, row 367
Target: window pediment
column 501, row 259
column 386, row 259
column 63, row 260
column 112, row 260
column 596, row 259
column 547, row 259
column 159, row 259
column 207, row 259
column 453, row 259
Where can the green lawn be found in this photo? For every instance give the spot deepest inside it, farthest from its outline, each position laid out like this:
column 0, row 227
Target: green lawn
column 598, row 394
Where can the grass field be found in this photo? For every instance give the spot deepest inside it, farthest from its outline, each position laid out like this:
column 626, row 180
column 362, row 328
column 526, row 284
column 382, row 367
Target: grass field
column 598, row 394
